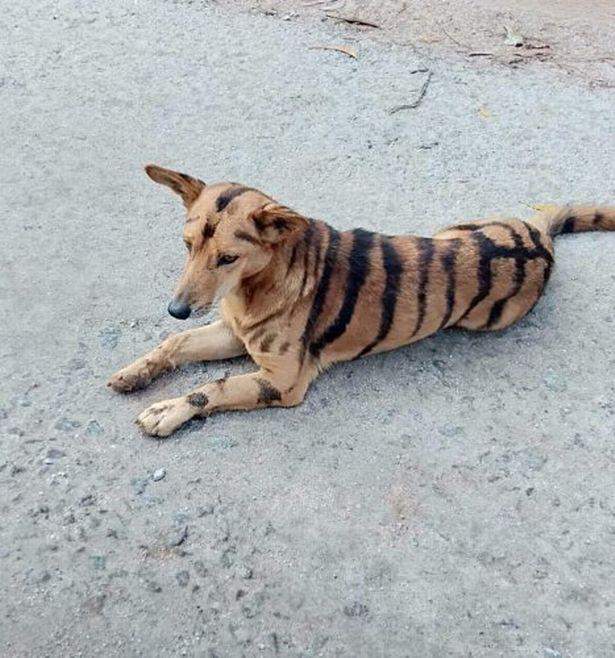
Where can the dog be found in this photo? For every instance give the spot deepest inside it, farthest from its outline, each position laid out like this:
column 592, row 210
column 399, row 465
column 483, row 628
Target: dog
column 298, row 296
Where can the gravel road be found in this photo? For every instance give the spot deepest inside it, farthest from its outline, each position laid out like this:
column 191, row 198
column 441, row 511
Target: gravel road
column 454, row 498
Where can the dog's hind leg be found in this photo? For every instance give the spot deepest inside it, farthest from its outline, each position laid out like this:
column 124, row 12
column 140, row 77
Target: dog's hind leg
column 214, row 341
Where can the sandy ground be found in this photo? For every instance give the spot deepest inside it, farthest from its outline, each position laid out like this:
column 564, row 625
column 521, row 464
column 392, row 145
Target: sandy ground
column 455, row 498
column 573, row 36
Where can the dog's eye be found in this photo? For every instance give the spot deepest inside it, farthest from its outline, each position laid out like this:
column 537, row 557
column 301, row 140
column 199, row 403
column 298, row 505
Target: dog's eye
column 226, row 259
column 188, row 245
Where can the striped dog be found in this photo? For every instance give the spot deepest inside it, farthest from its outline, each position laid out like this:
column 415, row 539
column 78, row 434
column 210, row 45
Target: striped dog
column 297, row 295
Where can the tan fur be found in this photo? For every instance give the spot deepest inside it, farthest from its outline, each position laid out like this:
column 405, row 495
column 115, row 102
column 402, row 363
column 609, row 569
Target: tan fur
column 298, row 296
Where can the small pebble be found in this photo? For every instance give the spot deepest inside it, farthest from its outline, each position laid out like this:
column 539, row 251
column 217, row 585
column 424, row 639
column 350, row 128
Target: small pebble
column 176, row 536
column 67, row 425
column 87, row 501
column 159, row 474
column 109, row 337
column 200, row 569
column 53, row 455
column 182, row 578
column 98, row 562
column 356, row 609
column 94, row 428
column 153, row 586
column 245, row 572
column 205, row 510
column 222, row 443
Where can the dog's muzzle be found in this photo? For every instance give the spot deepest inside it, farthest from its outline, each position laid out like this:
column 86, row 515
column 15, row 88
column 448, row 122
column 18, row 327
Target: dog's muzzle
column 179, row 309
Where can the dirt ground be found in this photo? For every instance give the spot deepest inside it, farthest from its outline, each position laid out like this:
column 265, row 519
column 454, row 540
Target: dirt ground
column 454, row 498
column 574, row 36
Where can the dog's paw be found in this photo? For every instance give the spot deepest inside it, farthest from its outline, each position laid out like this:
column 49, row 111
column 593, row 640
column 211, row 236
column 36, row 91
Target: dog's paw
column 163, row 418
column 131, row 378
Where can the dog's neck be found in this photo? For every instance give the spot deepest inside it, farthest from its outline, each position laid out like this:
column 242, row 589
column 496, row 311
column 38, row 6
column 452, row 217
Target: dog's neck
column 263, row 291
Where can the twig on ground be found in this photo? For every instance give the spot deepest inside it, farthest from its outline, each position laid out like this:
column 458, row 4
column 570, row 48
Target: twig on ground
column 339, row 49
column 353, row 20
column 419, row 98
column 461, row 45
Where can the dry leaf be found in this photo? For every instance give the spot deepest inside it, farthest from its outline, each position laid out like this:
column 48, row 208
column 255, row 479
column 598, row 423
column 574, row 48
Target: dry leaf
column 513, row 38
column 340, row 49
column 543, row 207
column 484, row 112
column 430, row 38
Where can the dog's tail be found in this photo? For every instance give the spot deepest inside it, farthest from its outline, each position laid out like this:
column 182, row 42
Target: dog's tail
column 556, row 220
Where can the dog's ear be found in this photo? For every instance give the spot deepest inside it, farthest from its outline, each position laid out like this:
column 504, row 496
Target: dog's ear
column 275, row 223
column 187, row 187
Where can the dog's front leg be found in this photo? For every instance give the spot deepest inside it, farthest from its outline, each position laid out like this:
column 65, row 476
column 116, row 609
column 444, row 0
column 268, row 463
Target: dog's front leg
column 214, row 341
column 243, row 392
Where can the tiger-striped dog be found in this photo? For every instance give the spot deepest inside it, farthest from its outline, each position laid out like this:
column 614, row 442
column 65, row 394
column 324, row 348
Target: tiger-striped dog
column 297, row 295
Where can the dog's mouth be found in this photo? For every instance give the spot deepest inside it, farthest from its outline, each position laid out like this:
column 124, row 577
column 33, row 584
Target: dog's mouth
column 202, row 310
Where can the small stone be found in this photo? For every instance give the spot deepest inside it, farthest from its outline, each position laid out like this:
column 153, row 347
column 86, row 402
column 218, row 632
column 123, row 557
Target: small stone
column 205, row 510
column 551, row 653
column 96, row 603
column 93, row 428
column 99, row 562
column 450, row 430
column 245, row 572
column 67, row 425
column 87, row 501
column 180, row 518
column 200, row 569
column 68, row 518
column 176, row 536
column 34, row 577
column 159, row 474
column 228, row 558
column 554, row 382
column 53, row 455
column 153, row 586
column 222, row 443
column 109, row 337
column 182, row 577
column 356, row 609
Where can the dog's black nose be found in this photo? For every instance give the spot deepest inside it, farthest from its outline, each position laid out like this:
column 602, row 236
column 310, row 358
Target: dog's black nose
column 179, row 309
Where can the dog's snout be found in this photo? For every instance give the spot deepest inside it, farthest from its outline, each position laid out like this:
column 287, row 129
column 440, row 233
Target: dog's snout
column 179, row 309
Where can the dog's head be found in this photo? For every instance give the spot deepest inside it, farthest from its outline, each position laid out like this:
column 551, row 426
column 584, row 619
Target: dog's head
column 231, row 234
